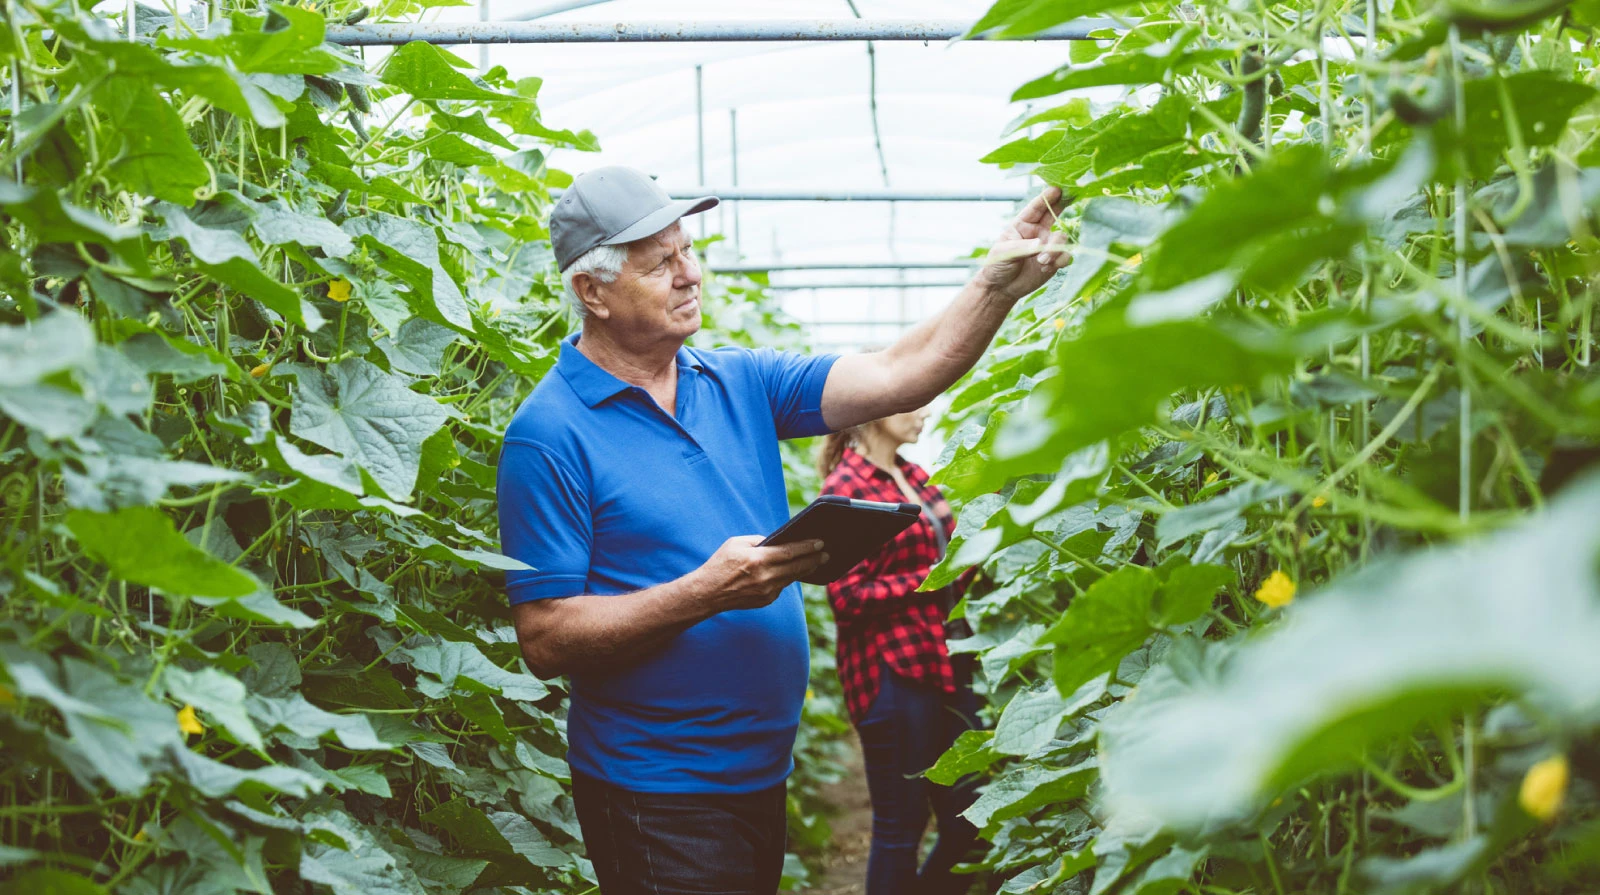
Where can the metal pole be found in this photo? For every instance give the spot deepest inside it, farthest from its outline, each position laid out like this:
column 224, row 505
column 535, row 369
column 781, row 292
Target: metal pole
column 847, row 265
column 733, row 154
column 394, row 34
column 483, row 49
column 758, row 194
column 132, row 17
column 700, row 134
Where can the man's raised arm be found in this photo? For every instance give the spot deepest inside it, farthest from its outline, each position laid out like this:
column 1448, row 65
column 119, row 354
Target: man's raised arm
column 936, row 352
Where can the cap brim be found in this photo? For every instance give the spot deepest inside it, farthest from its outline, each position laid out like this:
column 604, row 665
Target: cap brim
column 661, row 219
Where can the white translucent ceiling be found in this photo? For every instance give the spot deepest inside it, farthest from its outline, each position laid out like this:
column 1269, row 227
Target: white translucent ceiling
column 804, row 121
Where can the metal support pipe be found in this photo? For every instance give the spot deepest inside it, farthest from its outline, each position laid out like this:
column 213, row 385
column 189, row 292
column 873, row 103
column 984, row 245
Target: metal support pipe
column 733, row 158
column 683, row 32
column 757, row 194
column 483, row 50
column 700, row 133
column 846, row 265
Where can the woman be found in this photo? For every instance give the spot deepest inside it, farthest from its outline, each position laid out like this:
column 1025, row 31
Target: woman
column 907, row 698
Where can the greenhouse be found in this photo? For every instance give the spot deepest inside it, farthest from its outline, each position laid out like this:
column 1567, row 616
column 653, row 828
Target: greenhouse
column 596, row 447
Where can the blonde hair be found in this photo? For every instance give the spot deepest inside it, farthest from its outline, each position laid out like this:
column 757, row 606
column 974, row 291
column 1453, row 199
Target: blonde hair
column 832, row 452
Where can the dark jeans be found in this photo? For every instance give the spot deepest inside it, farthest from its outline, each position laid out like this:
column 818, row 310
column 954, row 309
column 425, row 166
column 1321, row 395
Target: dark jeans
column 906, row 729
column 682, row 844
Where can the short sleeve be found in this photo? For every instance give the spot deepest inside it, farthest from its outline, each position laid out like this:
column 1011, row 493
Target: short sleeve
column 544, row 522
column 794, row 384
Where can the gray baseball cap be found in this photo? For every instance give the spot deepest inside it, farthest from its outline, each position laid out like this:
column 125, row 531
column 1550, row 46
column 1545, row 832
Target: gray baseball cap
column 611, row 206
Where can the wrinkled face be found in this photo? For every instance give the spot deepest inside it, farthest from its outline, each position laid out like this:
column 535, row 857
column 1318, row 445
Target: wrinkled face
column 657, row 294
column 904, row 428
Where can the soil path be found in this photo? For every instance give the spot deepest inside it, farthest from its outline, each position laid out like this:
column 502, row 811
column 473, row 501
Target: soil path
column 844, row 869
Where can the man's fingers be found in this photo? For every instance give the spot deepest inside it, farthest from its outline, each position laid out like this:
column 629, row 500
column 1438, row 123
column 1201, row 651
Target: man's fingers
column 795, row 568
column 788, row 552
column 1024, row 248
column 1044, row 207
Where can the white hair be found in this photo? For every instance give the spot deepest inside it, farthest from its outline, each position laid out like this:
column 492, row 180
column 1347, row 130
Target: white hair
column 603, row 263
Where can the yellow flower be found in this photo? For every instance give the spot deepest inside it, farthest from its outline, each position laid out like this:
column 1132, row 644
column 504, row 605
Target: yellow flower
column 1059, row 324
column 260, row 370
column 339, row 290
column 810, row 694
column 187, row 722
column 141, row 835
column 1277, row 591
column 1319, row 501
column 1544, row 788
column 1211, row 477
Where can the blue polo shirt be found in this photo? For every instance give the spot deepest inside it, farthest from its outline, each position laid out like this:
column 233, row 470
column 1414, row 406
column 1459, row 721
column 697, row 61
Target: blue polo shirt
column 603, row 492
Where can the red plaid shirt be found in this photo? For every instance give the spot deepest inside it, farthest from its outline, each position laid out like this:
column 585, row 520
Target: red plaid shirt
column 877, row 607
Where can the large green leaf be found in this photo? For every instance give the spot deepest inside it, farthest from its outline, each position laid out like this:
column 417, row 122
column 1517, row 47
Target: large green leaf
column 1369, row 657
column 1028, row 787
column 369, row 871
column 1542, row 103
column 1145, row 65
column 1198, row 518
column 972, row 751
column 496, row 833
column 293, row 48
column 1105, row 623
column 1115, row 378
column 40, row 881
column 294, row 716
column 220, row 696
column 33, row 351
column 464, row 666
column 1020, row 18
column 50, row 219
column 424, row 71
column 152, row 153
column 140, row 544
column 472, row 125
column 1031, row 718
column 358, row 411
column 411, row 249
column 225, row 255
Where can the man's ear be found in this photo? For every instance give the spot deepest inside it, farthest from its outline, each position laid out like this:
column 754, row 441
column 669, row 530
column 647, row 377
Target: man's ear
column 587, row 286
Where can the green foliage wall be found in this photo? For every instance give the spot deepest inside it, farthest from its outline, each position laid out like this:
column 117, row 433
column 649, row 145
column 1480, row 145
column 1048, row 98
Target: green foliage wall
column 266, row 311
column 1280, row 486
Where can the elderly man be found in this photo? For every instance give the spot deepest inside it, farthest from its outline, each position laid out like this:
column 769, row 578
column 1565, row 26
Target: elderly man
column 637, row 481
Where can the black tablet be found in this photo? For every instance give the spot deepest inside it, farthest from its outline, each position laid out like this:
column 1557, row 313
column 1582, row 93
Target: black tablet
column 850, row 530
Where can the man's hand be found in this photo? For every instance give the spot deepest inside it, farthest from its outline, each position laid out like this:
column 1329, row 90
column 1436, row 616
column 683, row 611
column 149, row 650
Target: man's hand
column 741, row 575
column 1027, row 253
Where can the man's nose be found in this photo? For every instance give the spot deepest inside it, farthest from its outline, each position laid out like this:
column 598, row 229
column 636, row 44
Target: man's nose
column 688, row 272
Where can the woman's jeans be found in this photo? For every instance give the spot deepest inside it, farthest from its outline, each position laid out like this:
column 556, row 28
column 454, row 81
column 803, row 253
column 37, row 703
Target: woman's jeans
column 907, row 727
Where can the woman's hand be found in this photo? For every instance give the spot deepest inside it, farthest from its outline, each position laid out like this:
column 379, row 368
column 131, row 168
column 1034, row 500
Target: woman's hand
column 1027, row 253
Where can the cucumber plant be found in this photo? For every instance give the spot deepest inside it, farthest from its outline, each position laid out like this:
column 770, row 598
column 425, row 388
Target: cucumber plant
column 265, row 310
column 1281, row 485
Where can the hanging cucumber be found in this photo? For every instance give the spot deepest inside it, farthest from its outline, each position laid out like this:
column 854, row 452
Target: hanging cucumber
column 359, row 98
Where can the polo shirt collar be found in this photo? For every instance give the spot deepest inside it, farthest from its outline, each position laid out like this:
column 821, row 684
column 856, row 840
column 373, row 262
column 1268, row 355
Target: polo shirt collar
column 592, row 383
